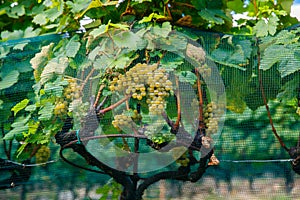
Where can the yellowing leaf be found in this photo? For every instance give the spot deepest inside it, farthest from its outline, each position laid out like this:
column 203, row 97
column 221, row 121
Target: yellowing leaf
column 20, row 106
column 93, row 4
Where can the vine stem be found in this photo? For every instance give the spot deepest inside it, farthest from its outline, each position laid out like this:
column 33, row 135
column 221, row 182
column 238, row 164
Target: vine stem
column 114, row 105
column 98, row 96
column 86, row 79
column 265, row 101
column 201, row 120
column 178, row 104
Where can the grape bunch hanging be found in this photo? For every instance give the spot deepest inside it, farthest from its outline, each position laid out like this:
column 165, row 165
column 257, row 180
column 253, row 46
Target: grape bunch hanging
column 145, row 82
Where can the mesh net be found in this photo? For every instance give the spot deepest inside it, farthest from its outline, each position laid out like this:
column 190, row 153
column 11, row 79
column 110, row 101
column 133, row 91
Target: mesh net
column 252, row 162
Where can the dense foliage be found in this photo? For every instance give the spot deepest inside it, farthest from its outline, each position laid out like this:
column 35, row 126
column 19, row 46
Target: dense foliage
column 105, row 59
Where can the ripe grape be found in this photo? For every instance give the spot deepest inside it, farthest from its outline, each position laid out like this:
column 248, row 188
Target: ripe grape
column 72, row 91
column 212, row 114
column 145, row 81
column 123, row 121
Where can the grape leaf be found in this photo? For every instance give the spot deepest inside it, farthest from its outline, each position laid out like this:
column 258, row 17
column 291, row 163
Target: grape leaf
column 54, row 66
column 152, row 16
column 16, row 11
column 7, row 35
column 263, row 27
column 236, row 5
column 212, row 16
column 73, row 47
column 46, row 112
column 21, row 105
column 162, row 31
column 4, row 51
column 9, row 79
column 40, row 19
column 41, row 57
column 129, row 40
column 98, row 31
column 199, row 5
column 19, row 126
column 187, row 76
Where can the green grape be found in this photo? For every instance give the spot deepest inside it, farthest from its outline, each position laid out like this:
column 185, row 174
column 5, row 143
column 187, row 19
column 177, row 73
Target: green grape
column 42, row 155
column 123, row 121
column 72, row 91
column 212, row 114
column 61, row 107
column 144, row 81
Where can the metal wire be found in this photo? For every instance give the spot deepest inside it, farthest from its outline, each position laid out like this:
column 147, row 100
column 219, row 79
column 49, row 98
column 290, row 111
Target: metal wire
column 257, row 161
column 31, row 165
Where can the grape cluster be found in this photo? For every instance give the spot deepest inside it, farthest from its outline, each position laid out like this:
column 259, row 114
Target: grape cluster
column 144, row 81
column 137, row 117
column 212, row 113
column 71, row 92
column 42, row 155
column 123, row 121
column 61, row 107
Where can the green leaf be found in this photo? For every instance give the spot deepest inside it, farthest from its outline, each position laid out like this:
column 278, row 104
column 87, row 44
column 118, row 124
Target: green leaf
column 237, row 5
column 129, row 40
column 30, row 108
column 7, row 80
column 187, row 76
column 171, row 62
column 289, row 65
column 54, row 66
column 21, row 105
column 98, row 31
column 199, row 5
column 7, row 35
column 4, row 51
column 40, row 58
column 162, row 31
column 152, row 16
column 272, row 24
column 73, row 47
column 46, row 112
column 19, row 126
column 263, row 27
column 124, row 27
column 40, row 19
column 19, row 10
column 212, row 16
column 286, row 5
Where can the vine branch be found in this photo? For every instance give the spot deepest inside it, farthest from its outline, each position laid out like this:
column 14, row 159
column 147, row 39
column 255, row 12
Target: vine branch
column 265, row 100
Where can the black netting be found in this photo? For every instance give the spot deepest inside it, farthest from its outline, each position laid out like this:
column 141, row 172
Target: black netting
column 253, row 165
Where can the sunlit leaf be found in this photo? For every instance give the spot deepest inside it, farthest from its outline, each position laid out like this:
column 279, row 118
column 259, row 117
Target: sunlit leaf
column 40, row 19
column 98, row 31
column 41, row 57
column 21, row 105
column 129, row 40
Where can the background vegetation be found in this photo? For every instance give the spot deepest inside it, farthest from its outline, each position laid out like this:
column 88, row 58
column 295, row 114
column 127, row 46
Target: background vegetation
column 232, row 44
